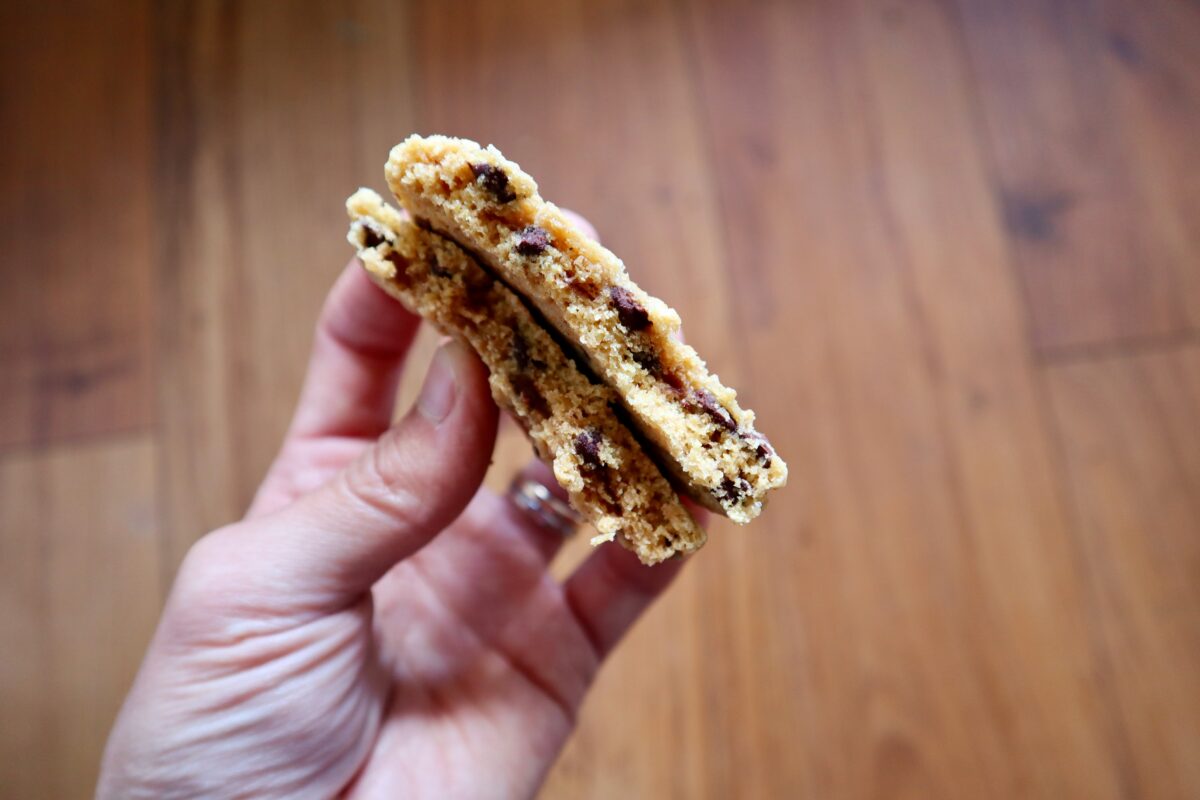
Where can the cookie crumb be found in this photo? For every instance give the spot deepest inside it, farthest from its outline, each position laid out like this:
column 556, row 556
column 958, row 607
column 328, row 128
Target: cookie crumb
column 583, row 287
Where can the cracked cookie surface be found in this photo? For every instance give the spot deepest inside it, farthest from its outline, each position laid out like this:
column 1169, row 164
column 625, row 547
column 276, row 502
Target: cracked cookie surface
column 569, row 419
column 692, row 421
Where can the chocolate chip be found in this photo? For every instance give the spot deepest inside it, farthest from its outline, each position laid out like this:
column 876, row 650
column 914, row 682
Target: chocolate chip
column 732, row 491
column 587, row 447
column 520, row 350
column 478, row 289
column 532, row 240
column 371, row 236
column 495, row 180
column 401, row 265
column 520, row 353
column 583, row 287
column 524, row 386
column 436, row 268
column 673, row 382
column 648, row 361
column 631, row 313
column 606, row 481
column 422, row 223
column 761, row 448
column 701, row 400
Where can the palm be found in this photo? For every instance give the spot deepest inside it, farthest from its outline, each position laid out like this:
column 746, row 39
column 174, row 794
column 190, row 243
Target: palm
column 501, row 664
column 291, row 660
column 483, row 662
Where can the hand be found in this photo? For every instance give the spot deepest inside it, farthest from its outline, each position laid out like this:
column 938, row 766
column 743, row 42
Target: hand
column 377, row 625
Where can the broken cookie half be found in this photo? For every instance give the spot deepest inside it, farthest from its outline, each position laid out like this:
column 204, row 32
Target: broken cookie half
column 692, row 422
column 570, row 420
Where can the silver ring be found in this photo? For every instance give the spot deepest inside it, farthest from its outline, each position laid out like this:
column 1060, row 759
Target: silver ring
column 545, row 509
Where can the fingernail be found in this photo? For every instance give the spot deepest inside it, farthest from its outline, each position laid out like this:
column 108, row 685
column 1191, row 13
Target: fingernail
column 441, row 385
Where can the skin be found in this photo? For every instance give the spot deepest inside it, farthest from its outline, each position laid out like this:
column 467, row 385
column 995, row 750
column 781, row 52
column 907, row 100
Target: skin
column 378, row 625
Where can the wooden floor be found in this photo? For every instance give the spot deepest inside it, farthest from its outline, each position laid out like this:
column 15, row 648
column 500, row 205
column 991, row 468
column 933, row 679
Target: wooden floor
column 949, row 250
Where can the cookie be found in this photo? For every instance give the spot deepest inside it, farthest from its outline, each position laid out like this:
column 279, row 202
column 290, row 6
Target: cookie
column 694, row 423
column 569, row 419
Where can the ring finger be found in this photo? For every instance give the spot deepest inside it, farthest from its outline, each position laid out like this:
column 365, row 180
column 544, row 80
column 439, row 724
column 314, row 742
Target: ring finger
column 539, row 510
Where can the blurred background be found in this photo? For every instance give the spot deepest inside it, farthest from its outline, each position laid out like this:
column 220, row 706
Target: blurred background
column 949, row 250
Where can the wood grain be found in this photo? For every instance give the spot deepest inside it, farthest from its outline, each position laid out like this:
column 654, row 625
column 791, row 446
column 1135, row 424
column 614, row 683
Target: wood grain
column 1081, row 103
column 1130, row 431
column 946, row 250
column 273, row 113
column 919, row 370
column 80, row 587
column 75, row 221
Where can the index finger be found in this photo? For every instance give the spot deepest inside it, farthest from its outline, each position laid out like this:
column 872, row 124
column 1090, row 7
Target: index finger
column 358, row 352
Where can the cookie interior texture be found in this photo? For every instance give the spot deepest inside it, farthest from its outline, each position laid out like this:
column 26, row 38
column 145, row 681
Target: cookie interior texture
column 699, row 432
column 569, row 419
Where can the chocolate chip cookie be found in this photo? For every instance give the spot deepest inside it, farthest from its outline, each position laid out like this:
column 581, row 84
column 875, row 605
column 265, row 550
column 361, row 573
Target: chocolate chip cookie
column 570, row 420
column 692, row 421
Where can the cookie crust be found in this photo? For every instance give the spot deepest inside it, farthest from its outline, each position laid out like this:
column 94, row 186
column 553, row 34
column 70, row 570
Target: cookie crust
column 699, row 432
column 569, row 419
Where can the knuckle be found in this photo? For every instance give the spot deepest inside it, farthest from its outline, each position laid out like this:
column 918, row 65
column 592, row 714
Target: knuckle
column 217, row 597
column 203, row 583
column 383, row 480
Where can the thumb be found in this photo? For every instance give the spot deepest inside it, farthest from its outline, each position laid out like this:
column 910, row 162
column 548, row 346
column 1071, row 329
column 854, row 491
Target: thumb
column 420, row 475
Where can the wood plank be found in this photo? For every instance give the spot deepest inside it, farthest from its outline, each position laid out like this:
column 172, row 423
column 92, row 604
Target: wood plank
column 1078, row 104
column 273, row 113
column 893, row 654
column 24, row 747
column 1000, row 447
column 1130, row 429
column 595, row 101
column 75, row 221
column 1157, row 93
column 80, row 591
column 974, row 586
